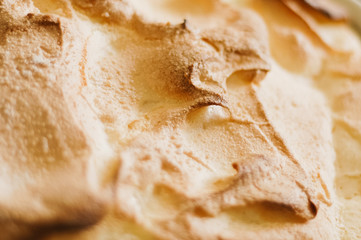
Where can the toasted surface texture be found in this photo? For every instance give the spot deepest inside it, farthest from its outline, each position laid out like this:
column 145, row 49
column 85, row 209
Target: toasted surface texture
column 166, row 119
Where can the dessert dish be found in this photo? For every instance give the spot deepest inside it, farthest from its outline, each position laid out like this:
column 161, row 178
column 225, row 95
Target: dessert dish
column 130, row 119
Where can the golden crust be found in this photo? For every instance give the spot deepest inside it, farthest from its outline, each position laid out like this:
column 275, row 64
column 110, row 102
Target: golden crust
column 200, row 121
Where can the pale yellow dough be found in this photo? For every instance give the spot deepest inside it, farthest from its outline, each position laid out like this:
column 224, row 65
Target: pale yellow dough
column 179, row 120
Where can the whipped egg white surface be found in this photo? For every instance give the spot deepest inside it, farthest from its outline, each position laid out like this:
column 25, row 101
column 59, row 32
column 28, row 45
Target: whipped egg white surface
column 167, row 119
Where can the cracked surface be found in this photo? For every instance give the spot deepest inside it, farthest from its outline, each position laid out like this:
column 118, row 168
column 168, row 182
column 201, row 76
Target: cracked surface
column 158, row 120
